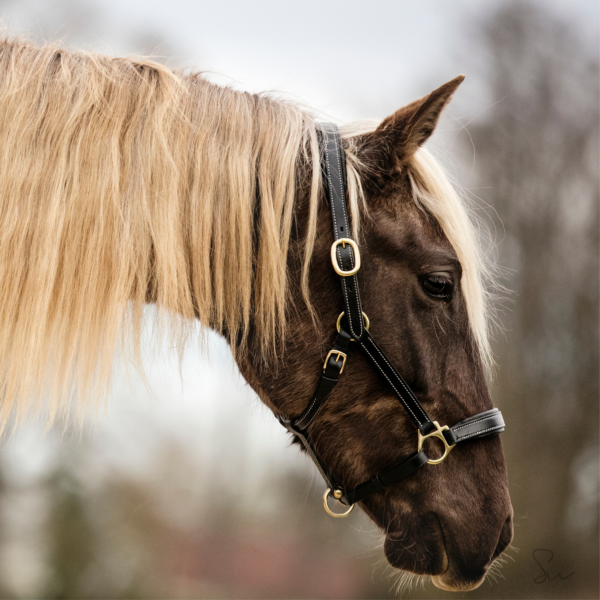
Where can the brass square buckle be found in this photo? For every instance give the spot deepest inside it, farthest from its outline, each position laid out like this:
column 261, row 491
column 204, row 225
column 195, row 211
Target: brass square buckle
column 437, row 434
column 337, row 359
column 334, row 261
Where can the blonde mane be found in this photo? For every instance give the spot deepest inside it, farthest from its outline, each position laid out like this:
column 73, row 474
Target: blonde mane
column 433, row 192
column 125, row 183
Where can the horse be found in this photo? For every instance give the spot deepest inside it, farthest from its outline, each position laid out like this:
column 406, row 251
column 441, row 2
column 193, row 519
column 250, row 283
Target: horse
column 127, row 184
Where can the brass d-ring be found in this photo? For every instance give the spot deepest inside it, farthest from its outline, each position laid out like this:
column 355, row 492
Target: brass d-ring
column 337, row 494
column 437, row 434
column 338, row 324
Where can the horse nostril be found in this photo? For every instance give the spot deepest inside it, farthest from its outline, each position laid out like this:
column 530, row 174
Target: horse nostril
column 506, row 535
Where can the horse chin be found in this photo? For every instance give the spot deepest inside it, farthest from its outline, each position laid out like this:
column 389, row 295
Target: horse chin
column 448, row 583
column 431, row 560
column 426, row 556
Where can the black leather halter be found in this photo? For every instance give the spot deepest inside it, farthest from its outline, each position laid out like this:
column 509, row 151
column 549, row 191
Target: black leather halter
column 353, row 327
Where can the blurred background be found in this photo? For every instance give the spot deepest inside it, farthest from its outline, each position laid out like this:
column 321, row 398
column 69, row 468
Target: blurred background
column 187, row 487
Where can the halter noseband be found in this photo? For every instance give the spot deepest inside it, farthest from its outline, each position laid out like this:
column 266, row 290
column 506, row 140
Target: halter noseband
column 345, row 258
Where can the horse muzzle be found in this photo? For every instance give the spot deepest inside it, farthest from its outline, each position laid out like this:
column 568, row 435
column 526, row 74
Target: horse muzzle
column 453, row 567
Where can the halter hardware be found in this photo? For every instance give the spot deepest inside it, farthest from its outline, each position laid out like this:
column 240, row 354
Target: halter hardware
column 337, row 494
column 440, row 436
column 338, row 355
column 338, row 324
column 334, row 260
column 355, row 330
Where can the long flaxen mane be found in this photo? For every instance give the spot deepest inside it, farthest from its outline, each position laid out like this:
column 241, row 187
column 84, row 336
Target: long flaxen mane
column 123, row 183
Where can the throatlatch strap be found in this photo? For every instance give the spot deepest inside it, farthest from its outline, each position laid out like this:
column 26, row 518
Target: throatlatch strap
column 334, row 169
column 334, row 365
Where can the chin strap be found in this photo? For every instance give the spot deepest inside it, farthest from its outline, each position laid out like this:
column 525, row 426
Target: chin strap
column 345, row 258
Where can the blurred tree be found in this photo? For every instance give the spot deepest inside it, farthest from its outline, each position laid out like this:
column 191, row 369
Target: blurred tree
column 538, row 155
column 70, row 537
column 104, row 538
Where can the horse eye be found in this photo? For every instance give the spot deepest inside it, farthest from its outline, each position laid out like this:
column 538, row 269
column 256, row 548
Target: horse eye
column 438, row 286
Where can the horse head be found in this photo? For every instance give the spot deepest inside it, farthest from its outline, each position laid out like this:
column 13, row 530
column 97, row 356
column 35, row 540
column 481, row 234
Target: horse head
column 422, row 295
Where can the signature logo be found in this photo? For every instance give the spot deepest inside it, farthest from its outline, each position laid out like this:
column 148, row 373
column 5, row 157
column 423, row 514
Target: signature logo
column 543, row 558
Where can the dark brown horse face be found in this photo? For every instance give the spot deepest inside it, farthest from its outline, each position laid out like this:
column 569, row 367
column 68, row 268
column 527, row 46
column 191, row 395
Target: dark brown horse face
column 454, row 519
column 449, row 520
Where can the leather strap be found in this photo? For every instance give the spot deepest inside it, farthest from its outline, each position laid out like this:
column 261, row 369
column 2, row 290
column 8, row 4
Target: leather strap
column 334, row 364
column 401, row 389
column 333, row 162
column 407, row 466
column 303, row 437
column 478, row 426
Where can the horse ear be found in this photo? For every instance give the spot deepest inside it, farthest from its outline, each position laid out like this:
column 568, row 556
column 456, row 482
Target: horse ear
column 399, row 136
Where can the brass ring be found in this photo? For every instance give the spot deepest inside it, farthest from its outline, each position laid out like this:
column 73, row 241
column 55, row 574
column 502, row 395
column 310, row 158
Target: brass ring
column 339, row 321
column 334, row 261
column 329, row 511
column 437, row 434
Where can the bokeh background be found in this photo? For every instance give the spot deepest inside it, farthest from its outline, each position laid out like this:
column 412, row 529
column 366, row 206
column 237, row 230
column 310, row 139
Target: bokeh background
column 187, row 487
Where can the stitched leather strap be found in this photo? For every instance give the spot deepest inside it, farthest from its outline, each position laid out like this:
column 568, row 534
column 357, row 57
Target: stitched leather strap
column 399, row 386
column 328, row 381
column 334, row 365
column 477, row 426
column 334, row 170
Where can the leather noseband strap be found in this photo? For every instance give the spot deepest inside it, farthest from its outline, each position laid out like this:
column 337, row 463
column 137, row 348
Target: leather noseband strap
column 346, row 263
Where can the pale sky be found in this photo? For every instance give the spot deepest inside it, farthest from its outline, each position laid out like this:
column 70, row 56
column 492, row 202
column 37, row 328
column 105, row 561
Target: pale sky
column 351, row 58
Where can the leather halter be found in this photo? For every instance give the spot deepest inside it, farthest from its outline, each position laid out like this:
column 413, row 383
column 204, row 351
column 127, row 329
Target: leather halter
column 354, row 328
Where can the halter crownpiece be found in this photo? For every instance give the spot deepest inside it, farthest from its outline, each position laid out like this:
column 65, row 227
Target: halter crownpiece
column 345, row 258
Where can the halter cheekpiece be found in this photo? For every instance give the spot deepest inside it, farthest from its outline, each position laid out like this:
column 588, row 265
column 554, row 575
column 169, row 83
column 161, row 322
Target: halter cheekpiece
column 353, row 328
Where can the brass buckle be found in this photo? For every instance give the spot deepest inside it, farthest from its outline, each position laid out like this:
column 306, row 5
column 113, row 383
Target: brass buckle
column 338, row 324
column 337, row 359
column 337, row 494
column 334, row 261
column 438, row 434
